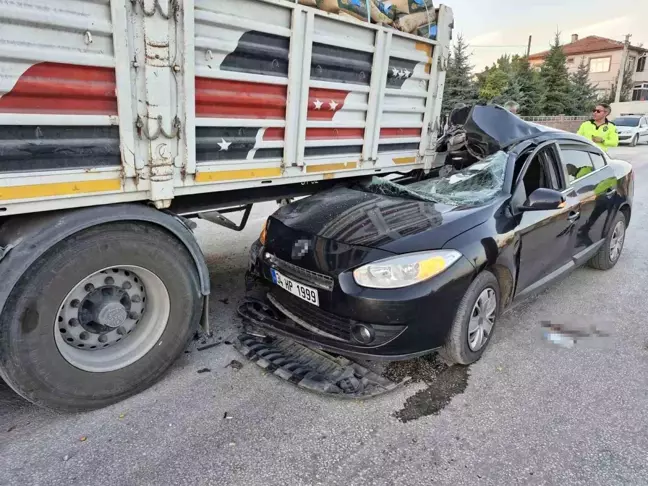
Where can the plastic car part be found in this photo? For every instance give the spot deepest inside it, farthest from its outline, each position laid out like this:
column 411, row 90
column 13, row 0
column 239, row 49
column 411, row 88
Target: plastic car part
column 312, row 369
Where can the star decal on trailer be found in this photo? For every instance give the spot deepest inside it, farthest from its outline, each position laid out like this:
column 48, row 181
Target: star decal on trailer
column 406, row 73
column 224, row 145
column 395, row 72
column 333, row 105
column 318, row 104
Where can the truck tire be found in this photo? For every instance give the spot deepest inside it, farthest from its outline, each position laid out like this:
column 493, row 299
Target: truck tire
column 99, row 317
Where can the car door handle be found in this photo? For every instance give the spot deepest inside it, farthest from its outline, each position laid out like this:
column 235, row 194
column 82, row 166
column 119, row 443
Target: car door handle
column 573, row 216
column 610, row 191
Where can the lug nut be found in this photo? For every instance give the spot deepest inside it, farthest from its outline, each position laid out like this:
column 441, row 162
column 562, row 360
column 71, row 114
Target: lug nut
column 133, row 315
column 73, row 322
column 75, row 303
column 126, row 285
column 121, row 331
column 89, row 287
column 84, row 336
column 136, row 298
column 109, row 281
column 103, row 338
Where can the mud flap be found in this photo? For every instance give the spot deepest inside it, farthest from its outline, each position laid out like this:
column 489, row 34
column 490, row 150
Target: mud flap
column 312, row 369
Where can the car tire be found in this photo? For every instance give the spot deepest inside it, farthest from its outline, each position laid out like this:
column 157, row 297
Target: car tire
column 607, row 257
column 34, row 357
column 634, row 141
column 457, row 348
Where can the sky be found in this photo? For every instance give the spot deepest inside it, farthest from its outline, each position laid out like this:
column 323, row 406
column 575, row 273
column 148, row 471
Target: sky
column 496, row 27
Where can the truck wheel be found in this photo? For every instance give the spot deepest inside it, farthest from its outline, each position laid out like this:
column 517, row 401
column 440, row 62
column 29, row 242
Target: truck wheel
column 99, row 317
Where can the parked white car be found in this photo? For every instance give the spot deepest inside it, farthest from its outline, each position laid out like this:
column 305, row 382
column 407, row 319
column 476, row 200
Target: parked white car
column 632, row 129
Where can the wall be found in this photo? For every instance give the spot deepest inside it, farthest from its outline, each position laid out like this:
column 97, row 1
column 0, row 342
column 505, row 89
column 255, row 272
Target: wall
column 561, row 122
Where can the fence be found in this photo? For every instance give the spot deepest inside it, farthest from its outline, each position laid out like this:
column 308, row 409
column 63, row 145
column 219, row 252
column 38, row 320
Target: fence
column 561, row 122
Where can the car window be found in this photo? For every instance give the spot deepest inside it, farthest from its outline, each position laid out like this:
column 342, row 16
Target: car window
column 598, row 160
column 626, row 122
column 577, row 162
column 473, row 185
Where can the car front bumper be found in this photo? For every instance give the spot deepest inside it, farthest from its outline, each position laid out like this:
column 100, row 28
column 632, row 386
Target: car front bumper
column 401, row 323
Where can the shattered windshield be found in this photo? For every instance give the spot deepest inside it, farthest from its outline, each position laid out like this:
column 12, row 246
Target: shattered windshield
column 471, row 186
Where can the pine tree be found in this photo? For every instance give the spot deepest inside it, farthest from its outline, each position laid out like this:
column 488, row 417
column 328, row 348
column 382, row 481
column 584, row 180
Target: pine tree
column 626, row 90
column 532, row 97
column 583, row 94
column 459, row 85
column 556, row 80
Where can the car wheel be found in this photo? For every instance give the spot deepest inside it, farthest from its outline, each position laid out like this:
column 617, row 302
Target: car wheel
column 608, row 255
column 474, row 322
column 634, row 141
column 99, row 317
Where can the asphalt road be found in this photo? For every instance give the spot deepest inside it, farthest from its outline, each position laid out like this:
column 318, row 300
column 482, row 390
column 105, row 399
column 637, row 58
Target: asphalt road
column 530, row 413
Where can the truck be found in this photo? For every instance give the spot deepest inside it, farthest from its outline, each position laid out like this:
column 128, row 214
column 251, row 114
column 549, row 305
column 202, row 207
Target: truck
column 121, row 121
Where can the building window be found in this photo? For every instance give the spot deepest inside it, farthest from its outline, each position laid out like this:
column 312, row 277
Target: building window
column 640, row 92
column 570, row 60
column 600, row 65
column 641, row 65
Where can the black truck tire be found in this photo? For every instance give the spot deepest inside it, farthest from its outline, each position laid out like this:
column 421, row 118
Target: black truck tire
column 34, row 359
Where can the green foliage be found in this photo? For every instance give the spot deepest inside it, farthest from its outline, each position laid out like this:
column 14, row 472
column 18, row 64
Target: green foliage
column 556, row 80
column 583, row 94
column 459, row 84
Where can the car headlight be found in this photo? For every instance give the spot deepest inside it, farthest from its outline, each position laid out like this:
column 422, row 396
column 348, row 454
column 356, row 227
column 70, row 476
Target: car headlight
column 404, row 270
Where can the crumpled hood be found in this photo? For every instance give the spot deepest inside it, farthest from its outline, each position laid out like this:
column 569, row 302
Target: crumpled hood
column 392, row 224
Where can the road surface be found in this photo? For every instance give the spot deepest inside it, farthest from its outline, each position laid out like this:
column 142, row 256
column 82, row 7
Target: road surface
column 527, row 413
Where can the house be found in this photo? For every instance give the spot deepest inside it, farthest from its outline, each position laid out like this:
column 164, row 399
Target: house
column 604, row 59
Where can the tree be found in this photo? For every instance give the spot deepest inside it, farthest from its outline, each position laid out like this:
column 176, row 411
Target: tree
column 626, row 90
column 556, row 80
column 531, row 87
column 583, row 94
column 459, row 85
column 494, row 86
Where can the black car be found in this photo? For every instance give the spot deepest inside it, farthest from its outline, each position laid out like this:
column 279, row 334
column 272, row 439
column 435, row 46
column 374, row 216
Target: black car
column 394, row 270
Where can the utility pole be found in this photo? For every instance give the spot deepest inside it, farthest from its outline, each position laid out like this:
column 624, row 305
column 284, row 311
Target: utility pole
column 529, row 47
column 622, row 68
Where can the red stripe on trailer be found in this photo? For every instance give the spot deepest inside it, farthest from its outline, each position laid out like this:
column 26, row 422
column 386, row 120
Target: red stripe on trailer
column 399, row 132
column 239, row 99
column 317, row 133
column 62, row 89
column 323, row 104
column 274, row 134
column 333, row 133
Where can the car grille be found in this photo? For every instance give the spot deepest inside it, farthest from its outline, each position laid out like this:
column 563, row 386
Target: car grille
column 331, row 324
column 307, row 277
column 336, row 327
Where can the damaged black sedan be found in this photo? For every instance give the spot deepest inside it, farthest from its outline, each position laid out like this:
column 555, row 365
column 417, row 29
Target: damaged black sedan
column 397, row 269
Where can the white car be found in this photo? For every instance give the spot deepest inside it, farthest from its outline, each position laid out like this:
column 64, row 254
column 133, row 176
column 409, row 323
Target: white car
column 632, row 129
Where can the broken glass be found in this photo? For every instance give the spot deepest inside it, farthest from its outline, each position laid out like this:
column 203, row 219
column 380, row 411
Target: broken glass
column 471, row 186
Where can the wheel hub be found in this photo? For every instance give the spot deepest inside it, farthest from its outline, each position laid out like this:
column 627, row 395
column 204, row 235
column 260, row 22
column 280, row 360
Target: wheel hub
column 112, row 314
column 102, row 309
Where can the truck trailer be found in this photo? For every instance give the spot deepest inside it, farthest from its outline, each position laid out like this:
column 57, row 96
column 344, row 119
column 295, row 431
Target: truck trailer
column 122, row 120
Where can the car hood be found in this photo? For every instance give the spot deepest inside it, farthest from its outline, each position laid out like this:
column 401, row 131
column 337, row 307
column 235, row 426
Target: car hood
column 392, row 224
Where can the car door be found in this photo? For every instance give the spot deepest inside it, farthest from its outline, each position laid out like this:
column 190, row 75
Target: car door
column 546, row 237
column 593, row 182
column 643, row 130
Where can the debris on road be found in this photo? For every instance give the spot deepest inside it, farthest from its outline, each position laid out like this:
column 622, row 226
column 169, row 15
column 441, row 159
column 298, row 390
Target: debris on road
column 204, row 370
column 227, row 416
column 66, row 458
column 235, row 365
column 313, row 369
column 83, row 438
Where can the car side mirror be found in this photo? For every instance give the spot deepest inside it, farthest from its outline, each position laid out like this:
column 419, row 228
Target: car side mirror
column 543, row 199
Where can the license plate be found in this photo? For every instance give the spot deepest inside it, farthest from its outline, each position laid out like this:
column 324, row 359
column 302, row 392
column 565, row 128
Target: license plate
column 308, row 294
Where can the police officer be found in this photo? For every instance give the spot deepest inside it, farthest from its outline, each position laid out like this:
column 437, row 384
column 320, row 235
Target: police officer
column 599, row 129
